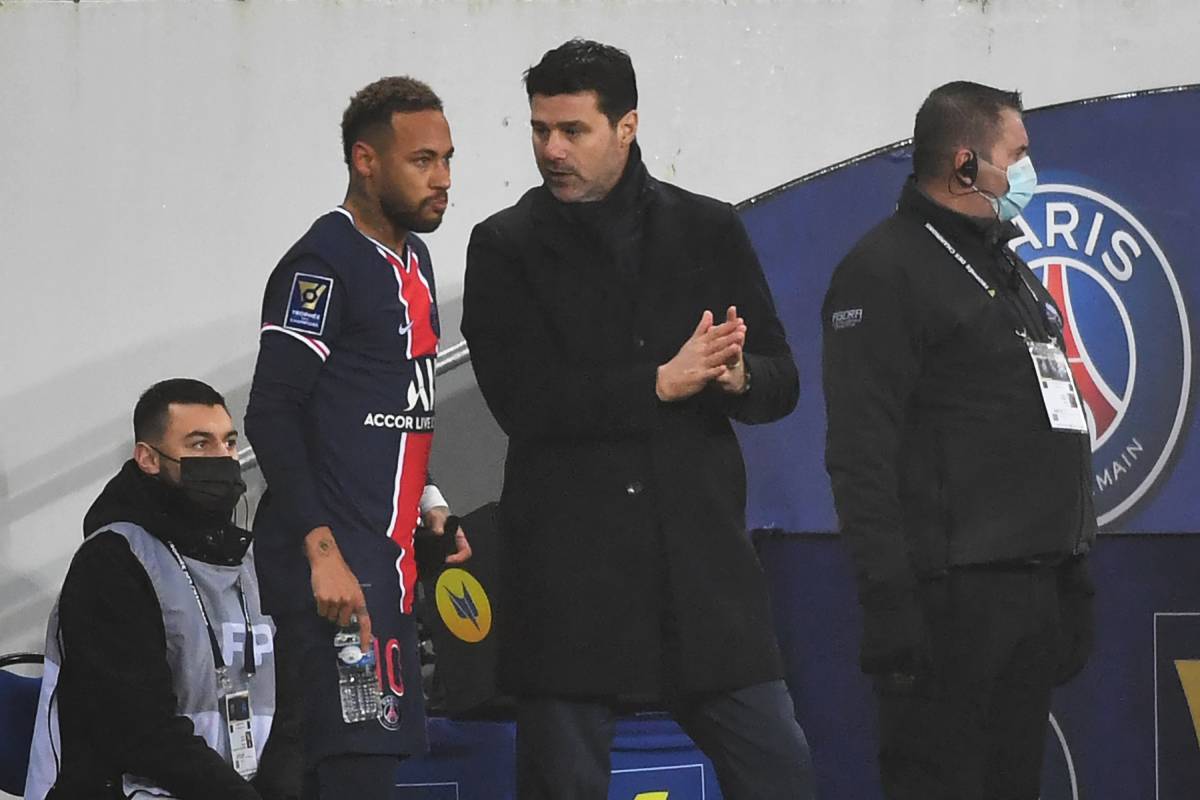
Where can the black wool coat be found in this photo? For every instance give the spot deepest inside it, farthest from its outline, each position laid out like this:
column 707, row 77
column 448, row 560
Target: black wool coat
column 627, row 567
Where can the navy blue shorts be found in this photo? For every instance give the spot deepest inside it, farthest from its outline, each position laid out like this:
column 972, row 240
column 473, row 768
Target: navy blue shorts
column 307, row 678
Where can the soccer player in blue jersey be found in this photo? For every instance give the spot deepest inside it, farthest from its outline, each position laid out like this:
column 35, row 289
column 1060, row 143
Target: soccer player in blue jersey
column 341, row 417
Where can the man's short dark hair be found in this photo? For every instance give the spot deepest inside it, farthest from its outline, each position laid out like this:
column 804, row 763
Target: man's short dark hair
column 373, row 105
column 153, row 407
column 958, row 114
column 581, row 65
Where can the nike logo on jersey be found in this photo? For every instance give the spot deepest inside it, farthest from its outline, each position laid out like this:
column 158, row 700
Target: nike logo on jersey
column 404, row 329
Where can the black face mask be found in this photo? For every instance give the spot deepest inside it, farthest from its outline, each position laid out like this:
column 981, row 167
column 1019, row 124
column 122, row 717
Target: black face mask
column 211, row 484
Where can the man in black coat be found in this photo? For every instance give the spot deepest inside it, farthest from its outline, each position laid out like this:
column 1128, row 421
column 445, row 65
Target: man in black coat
column 616, row 324
column 962, row 481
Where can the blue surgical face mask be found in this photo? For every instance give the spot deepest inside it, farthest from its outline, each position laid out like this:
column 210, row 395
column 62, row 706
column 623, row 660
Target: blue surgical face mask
column 1022, row 181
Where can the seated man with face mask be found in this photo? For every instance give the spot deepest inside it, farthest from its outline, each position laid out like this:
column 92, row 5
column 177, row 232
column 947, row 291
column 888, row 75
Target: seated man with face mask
column 160, row 676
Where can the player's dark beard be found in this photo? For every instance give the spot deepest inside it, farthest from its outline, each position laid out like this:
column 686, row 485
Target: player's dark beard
column 407, row 218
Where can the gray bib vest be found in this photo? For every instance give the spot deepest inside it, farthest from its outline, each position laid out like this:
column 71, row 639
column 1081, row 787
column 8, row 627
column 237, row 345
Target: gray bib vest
column 189, row 656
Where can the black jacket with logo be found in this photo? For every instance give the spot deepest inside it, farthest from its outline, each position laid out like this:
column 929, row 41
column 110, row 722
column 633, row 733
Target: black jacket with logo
column 938, row 445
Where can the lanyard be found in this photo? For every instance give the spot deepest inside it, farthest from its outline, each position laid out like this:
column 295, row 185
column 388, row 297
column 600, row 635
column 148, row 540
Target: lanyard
column 958, row 257
column 218, row 658
column 966, row 265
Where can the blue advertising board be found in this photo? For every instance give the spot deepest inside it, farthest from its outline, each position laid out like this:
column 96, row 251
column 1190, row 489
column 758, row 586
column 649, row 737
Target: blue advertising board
column 652, row 759
column 1127, row 727
column 1111, row 231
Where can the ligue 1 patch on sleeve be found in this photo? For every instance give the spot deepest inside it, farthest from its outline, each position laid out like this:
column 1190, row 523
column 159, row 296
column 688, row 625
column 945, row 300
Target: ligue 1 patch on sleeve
column 846, row 318
column 308, row 303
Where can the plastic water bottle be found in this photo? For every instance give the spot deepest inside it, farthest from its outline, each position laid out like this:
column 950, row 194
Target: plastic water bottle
column 358, row 683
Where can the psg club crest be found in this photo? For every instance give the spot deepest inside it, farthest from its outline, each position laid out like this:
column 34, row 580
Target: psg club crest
column 389, row 712
column 1125, row 331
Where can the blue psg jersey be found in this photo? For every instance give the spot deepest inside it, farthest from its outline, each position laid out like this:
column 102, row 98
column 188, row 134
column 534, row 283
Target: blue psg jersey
column 341, row 411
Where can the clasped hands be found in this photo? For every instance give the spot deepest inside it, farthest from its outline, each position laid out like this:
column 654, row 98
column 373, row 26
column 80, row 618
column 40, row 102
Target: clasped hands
column 712, row 354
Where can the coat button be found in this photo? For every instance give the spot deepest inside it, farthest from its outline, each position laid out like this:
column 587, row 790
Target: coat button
column 639, row 343
column 633, row 488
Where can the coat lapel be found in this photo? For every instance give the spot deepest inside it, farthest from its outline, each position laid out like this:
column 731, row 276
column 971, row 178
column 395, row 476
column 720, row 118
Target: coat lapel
column 566, row 256
column 670, row 259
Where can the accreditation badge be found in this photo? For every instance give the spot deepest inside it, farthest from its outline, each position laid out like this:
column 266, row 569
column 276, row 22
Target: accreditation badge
column 1059, row 395
column 235, row 708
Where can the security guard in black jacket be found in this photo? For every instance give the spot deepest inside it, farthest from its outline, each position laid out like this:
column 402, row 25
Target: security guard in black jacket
column 960, row 460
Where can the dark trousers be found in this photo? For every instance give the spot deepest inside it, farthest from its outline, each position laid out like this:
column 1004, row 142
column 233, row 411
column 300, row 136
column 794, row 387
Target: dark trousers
column 973, row 726
column 751, row 736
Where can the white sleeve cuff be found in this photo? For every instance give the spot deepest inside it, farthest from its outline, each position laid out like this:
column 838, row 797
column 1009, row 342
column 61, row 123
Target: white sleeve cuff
column 432, row 498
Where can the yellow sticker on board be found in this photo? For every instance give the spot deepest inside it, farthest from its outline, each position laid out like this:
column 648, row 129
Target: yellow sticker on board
column 464, row 605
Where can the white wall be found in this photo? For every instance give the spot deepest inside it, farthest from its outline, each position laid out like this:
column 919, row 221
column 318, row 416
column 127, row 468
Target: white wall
column 157, row 157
